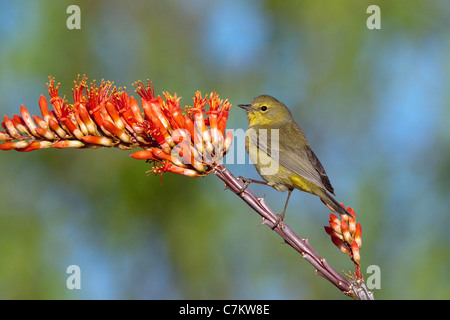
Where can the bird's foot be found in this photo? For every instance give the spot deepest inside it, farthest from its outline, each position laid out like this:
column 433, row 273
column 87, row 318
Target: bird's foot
column 280, row 218
column 246, row 183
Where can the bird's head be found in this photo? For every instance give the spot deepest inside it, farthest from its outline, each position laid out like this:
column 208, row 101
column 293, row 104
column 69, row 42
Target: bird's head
column 266, row 111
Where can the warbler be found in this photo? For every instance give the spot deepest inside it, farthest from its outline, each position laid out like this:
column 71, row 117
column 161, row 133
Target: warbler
column 281, row 153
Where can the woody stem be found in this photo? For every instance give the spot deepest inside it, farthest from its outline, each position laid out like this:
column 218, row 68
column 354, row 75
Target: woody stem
column 353, row 287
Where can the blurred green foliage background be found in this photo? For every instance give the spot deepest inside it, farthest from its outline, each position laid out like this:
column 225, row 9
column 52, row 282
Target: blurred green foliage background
column 374, row 104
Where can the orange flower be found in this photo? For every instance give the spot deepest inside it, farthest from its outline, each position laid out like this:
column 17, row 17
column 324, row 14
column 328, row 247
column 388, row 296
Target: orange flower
column 175, row 140
column 346, row 235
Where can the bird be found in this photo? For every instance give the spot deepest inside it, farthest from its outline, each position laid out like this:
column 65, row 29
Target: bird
column 281, row 154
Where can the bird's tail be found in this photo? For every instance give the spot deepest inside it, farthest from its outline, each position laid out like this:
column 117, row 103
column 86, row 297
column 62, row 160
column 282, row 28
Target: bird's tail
column 331, row 203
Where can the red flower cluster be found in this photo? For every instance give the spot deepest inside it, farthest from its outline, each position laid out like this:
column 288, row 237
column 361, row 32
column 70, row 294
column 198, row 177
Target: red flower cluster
column 189, row 141
column 346, row 235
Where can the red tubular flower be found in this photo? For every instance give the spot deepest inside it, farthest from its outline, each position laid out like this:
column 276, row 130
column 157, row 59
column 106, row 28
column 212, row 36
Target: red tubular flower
column 345, row 233
column 183, row 141
column 172, row 110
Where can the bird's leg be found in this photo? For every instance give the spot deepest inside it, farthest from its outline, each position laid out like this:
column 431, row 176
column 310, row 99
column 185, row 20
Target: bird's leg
column 247, row 182
column 280, row 217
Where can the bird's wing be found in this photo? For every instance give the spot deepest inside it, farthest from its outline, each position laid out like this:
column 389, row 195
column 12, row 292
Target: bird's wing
column 293, row 155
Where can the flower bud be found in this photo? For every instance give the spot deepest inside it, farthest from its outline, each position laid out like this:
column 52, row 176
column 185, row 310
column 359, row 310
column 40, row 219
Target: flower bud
column 11, row 128
column 44, row 108
column 68, row 144
column 345, row 231
column 37, row 145
column 4, row 136
column 355, row 252
column 28, row 121
column 102, row 141
column 13, row 145
column 357, row 235
column 143, row 155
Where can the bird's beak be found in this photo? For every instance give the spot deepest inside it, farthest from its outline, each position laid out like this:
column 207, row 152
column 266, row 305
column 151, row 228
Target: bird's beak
column 246, row 107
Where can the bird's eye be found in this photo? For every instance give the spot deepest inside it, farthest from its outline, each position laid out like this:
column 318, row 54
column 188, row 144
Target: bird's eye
column 264, row 108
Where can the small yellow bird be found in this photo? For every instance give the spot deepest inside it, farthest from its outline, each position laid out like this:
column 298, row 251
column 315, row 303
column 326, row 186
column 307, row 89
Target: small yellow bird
column 281, row 153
